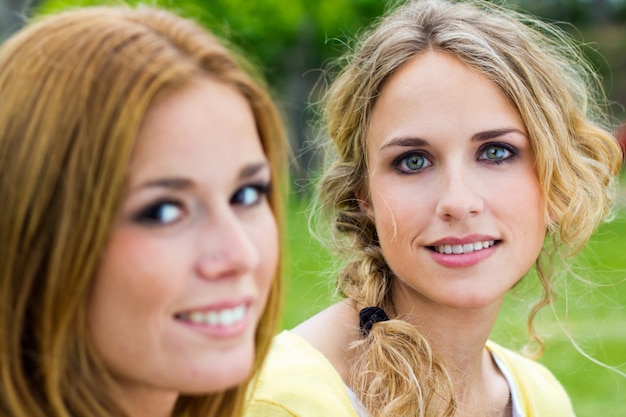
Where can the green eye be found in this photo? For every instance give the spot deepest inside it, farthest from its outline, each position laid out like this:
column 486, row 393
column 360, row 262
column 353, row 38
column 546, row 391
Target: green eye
column 413, row 162
column 496, row 153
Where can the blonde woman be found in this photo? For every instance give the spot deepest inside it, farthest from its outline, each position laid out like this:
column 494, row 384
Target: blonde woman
column 467, row 146
column 139, row 236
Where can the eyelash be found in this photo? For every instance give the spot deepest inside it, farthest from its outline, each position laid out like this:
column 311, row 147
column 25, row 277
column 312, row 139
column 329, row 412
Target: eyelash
column 262, row 189
column 512, row 151
column 153, row 214
column 402, row 159
column 149, row 215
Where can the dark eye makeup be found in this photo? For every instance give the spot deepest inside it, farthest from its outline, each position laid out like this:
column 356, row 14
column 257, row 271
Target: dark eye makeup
column 251, row 194
column 497, row 152
column 415, row 161
column 411, row 162
column 161, row 212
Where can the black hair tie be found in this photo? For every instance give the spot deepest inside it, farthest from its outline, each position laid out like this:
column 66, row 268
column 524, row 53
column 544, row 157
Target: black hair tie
column 370, row 315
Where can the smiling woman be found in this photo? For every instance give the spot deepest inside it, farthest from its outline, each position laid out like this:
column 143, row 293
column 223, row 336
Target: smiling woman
column 140, row 237
column 472, row 170
column 466, row 146
column 191, row 257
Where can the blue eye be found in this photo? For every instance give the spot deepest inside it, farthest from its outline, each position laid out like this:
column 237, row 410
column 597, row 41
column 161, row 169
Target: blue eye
column 251, row 195
column 160, row 213
column 496, row 153
column 410, row 163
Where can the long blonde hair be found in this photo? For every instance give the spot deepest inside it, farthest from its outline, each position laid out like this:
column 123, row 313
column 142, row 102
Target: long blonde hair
column 75, row 87
column 541, row 71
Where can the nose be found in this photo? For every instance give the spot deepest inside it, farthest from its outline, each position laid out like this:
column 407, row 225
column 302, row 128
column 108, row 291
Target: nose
column 226, row 248
column 459, row 196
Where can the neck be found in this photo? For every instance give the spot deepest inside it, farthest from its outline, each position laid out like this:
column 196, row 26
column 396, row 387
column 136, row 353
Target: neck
column 147, row 404
column 459, row 337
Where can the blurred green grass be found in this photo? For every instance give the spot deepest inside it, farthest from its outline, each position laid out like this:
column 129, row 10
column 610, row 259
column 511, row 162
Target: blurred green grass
column 594, row 313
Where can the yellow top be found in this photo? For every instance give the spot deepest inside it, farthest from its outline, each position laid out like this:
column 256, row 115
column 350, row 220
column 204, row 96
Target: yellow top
column 298, row 381
column 538, row 391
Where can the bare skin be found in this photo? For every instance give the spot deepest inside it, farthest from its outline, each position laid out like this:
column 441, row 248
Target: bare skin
column 481, row 384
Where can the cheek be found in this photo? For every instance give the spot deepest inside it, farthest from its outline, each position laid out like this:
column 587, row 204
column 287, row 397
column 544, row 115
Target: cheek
column 528, row 205
column 399, row 209
column 525, row 208
column 133, row 260
column 132, row 280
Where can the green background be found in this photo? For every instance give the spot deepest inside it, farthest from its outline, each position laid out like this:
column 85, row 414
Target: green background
column 291, row 40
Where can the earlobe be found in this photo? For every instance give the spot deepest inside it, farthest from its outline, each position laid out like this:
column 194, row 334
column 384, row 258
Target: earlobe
column 551, row 218
column 551, row 222
column 364, row 204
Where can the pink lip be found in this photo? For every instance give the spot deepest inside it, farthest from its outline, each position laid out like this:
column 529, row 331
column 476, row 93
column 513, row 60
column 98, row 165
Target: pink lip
column 221, row 305
column 450, row 240
column 463, row 260
column 219, row 330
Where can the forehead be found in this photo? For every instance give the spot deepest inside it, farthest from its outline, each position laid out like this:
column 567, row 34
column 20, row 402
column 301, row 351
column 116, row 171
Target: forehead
column 436, row 94
column 205, row 130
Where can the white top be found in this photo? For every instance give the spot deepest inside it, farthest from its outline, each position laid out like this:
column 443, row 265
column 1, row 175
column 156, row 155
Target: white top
column 515, row 403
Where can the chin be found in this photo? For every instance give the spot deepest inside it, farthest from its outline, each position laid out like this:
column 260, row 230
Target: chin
column 466, row 302
column 225, row 371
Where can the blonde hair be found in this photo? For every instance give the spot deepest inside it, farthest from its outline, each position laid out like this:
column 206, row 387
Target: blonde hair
column 75, row 87
column 541, row 71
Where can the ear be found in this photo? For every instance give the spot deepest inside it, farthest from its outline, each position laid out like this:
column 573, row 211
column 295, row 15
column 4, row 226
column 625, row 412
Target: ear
column 551, row 219
column 364, row 202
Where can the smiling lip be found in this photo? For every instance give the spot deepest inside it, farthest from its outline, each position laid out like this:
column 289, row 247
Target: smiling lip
column 463, row 252
column 225, row 320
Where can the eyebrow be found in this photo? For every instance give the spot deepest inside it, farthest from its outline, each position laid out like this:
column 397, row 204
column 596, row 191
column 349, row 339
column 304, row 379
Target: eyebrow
column 246, row 172
column 476, row 137
column 252, row 169
column 495, row 133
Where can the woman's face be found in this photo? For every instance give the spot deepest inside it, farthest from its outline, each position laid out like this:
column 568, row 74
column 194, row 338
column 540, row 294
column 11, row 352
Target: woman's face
column 452, row 186
column 188, row 268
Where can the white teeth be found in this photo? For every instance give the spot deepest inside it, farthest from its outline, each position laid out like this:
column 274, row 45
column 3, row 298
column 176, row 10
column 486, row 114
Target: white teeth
column 465, row 248
column 225, row 317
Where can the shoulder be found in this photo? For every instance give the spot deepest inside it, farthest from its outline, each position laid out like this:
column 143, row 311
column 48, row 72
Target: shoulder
column 538, row 390
column 297, row 380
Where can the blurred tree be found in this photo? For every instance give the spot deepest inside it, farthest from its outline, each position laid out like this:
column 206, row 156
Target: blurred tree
column 291, row 40
column 13, row 14
column 576, row 11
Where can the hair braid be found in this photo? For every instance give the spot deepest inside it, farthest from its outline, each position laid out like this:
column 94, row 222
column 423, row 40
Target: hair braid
column 395, row 372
